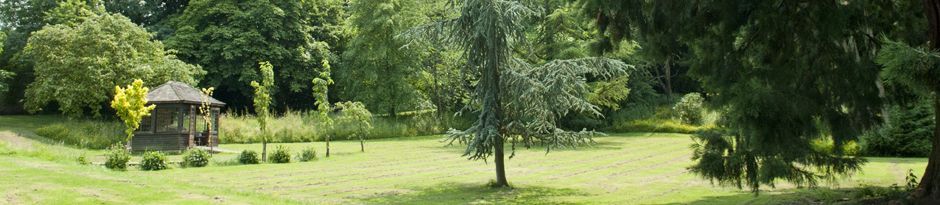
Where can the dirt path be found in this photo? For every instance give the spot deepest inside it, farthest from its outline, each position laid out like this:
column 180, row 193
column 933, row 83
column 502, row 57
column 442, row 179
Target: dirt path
column 14, row 140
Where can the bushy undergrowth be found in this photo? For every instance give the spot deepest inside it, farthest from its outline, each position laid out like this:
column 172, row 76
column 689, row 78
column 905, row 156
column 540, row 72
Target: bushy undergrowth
column 654, row 125
column 118, row 157
column 907, row 133
column 280, row 155
column 690, row 109
column 248, row 157
column 196, row 158
column 153, row 161
column 661, row 115
column 303, row 127
column 89, row 134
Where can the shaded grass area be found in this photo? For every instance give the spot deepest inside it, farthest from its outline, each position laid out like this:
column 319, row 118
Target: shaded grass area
column 628, row 168
column 475, row 194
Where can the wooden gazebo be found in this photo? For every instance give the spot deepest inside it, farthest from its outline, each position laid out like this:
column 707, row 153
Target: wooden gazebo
column 176, row 124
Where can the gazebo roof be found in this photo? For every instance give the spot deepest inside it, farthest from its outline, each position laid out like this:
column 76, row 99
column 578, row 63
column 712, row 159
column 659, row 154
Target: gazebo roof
column 177, row 92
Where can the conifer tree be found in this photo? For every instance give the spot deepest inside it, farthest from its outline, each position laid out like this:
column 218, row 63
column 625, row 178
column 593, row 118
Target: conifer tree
column 778, row 69
column 515, row 99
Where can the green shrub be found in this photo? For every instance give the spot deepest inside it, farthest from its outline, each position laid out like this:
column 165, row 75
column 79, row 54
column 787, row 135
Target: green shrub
column 82, row 160
column 689, row 108
column 118, row 157
column 307, row 155
column 248, row 157
column 280, row 155
column 153, row 161
column 907, row 134
column 196, row 158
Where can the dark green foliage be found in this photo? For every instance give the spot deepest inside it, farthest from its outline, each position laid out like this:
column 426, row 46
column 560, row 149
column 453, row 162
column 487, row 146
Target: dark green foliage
column 196, row 158
column 248, row 157
column 229, row 38
column 775, row 69
column 155, row 15
column 689, row 108
column 907, row 133
column 153, row 161
column 280, row 155
column 308, row 154
column 118, row 156
column 381, row 68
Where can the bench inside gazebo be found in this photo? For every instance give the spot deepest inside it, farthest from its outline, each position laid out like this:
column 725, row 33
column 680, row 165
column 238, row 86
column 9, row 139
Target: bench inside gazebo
column 177, row 123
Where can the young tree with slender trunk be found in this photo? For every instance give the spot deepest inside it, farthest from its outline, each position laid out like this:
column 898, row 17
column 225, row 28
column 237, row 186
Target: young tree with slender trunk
column 321, row 88
column 262, row 102
column 354, row 116
column 205, row 108
column 130, row 103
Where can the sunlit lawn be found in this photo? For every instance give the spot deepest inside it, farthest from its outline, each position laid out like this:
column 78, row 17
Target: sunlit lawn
column 633, row 168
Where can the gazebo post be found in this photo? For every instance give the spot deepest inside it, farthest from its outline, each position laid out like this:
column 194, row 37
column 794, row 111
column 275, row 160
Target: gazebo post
column 192, row 126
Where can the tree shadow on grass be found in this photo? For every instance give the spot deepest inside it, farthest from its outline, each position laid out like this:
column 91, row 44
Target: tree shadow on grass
column 857, row 195
column 458, row 193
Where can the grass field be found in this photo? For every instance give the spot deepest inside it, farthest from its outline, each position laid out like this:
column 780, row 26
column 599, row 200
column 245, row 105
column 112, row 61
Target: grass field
column 632, row 168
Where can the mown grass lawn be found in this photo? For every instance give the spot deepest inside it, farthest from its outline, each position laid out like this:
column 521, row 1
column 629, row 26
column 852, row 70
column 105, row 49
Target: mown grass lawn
column 632, row 168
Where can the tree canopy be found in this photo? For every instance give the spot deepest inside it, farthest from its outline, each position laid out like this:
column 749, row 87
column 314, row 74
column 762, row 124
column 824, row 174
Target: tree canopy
column 380, row 69
column 513, row 97
column 77, row 65
column 783, row 73
column 229, row 37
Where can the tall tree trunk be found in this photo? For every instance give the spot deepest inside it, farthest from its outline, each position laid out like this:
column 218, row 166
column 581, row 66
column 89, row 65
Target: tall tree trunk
column 327, row 145
column 264, row 149
column 668, row 77
column 362, row 144
column 928, row 190
column 492, row 116
column 500, row 164
column 885, row 115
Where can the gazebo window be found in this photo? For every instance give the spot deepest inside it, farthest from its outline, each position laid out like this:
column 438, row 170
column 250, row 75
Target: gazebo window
column 187, row 120
column 146, row 124
column 168, row 119
column 215, row 120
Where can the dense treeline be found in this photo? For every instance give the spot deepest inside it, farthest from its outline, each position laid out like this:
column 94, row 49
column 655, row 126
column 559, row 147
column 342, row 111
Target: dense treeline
column 783, row 76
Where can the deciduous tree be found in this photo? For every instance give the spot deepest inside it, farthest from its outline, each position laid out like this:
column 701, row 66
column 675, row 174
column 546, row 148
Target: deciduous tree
column 321, row 89
column 229, row 37
column 262, row 102
column 76, row 65
column 380, row 68
column 354, row 116
column 131, row 106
